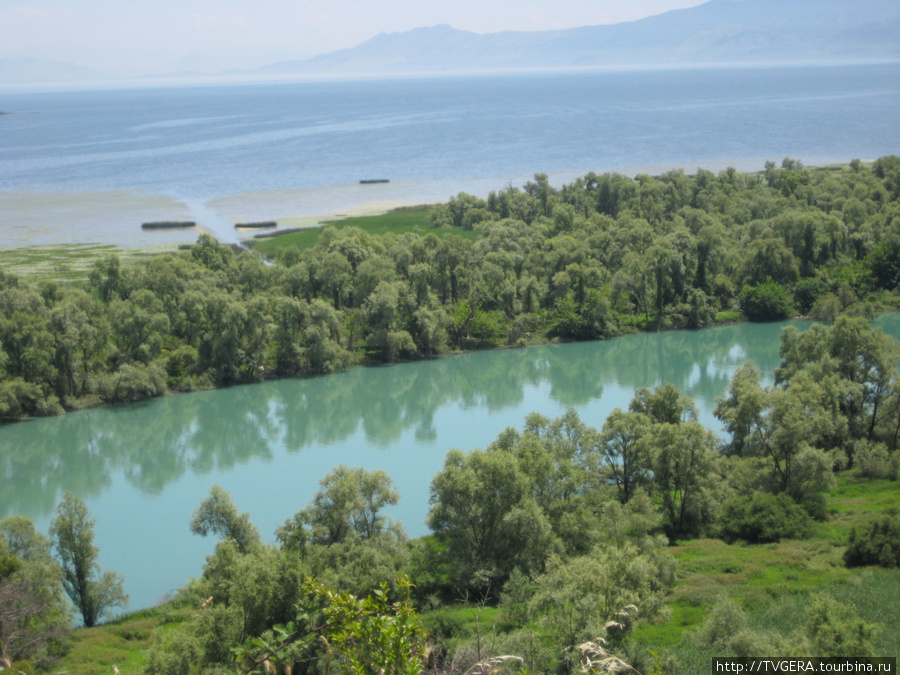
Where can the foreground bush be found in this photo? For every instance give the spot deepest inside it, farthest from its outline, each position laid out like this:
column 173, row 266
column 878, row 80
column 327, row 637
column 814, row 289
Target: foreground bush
column 875, row 543
column 762, row 518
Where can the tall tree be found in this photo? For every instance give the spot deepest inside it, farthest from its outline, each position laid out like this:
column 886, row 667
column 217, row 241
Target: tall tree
column 483, row 509
column 625, row 462
column 93, row 591
column 349, row 504
column 218, row 515
column 682, row 459
column 33, row 609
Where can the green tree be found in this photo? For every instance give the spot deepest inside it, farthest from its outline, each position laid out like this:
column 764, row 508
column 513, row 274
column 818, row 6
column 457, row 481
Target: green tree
column 93, row 592
column 682, row 460
column 217, row 514
column 625, row 461
column 769, row 259
column 348, row 504
column 665, row 404
column 107, row 277
column 483, row 509
column 34, row 616
column 742, row 411
column 859, row 361
column 560, row 459
column 768, row 301
column 382, row 315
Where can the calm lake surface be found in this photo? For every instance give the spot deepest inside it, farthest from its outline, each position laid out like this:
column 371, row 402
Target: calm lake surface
column 142, row 469
column 227, row 153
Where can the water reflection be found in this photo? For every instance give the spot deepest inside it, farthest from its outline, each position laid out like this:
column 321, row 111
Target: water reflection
column 152, row 444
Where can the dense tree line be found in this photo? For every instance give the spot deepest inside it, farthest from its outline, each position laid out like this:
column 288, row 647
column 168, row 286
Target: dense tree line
column 598, row 257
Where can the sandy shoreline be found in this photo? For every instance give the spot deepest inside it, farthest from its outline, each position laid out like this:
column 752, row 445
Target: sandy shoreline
column 33, row 218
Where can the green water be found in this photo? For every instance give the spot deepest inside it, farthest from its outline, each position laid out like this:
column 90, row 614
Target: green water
column 143, row 468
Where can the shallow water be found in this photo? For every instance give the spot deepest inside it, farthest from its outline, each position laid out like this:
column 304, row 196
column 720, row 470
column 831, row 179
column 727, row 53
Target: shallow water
column 221, row 154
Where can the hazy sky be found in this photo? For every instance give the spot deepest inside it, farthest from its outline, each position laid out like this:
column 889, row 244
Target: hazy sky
column 119, row 35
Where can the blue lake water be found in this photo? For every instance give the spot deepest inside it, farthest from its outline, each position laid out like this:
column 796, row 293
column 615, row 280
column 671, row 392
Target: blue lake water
column 300, row 148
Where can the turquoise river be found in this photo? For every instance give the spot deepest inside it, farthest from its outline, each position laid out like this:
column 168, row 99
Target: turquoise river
column 142, row 469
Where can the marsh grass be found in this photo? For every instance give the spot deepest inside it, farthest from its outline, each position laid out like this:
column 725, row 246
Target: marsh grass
column 66, row 263
column 774, row 583
column 400, row 221
column 122, row 642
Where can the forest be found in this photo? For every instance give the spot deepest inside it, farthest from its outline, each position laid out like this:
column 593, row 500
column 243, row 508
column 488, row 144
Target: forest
column 645, row 543
column 602, row 256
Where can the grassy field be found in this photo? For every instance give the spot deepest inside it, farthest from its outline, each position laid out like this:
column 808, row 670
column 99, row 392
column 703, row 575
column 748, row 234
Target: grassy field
column 121, row 643
column 66, row 264
column 772, row 582
column 399, row 221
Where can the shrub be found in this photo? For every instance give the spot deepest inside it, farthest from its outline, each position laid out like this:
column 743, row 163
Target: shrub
column 769, row 301
column 725, row 621
column 837, row 630
column 807, row 291
column 875, row 461
column 133, row 382
column 874, row 543
column 761, row 518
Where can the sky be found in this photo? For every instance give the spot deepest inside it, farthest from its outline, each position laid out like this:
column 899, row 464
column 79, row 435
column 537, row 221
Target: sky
column 127, row 36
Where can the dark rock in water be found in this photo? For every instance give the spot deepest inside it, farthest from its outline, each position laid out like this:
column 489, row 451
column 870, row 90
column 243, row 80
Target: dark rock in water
column 168, row 224
column 256, row 226
column 369, row 181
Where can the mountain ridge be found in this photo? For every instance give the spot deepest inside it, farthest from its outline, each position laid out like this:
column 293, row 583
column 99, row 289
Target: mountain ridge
column 716, row 32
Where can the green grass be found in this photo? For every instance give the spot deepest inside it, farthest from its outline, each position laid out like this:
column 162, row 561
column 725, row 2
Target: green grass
column 400, row 221
column 122, row 642
column 729, row 316
column 856, row 500
column 774, row 582
column 65, row 263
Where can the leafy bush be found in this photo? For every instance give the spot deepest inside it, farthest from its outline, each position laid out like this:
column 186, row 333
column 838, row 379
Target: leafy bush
column 876, row 461
column 807, row 291
column 133, row 382
column 835, row 629
column 761, row 518
column 725, row 621
column 769, row 301
column 875, row 543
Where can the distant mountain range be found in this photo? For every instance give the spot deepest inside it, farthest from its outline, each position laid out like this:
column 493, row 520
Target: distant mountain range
column 24, row 70
column 719, row 31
